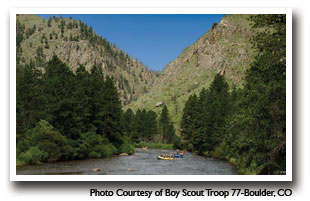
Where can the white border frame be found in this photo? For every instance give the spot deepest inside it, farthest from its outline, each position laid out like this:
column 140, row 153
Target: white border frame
column 289, row 171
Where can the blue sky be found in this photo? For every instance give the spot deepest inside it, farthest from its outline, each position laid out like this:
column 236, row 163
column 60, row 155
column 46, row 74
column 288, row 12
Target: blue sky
column 155, row 40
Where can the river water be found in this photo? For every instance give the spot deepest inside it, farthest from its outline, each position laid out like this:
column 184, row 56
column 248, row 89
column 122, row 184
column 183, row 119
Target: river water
column 140, row 163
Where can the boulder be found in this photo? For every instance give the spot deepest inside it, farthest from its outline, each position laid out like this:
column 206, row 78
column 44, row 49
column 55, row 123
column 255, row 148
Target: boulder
column 95, row 170
column 158, row 104
column 123, row 154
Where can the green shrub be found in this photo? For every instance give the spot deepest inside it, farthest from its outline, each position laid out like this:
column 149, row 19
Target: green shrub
column 127, row 148
column 176, row 141
column 50, row 141
column 92, row 139
column 22, row 145
column 221, row 151
column 81, row 150
column 33, row 156
column 109, row 150
column 214, row 25
column 155, row 145
column 94, row 154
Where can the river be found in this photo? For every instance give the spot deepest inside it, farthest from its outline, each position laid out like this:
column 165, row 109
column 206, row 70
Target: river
column 140, row 163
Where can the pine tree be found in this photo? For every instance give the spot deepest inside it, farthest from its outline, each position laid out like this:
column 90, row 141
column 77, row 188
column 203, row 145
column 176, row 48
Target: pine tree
column 81, row 97
column 258, row 129
column 60, row 90
column 189, row 123
column 112, row 111
column 30, row 99
column 151, row 125
column 96, row 95
column 216, row 107
column 49, row 22
column 129, row 123
column 165, row 125
column 19, row 38
column 204, row 117
column 140, row 125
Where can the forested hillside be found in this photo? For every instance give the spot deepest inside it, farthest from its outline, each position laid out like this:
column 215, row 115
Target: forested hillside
column 225, row 49
column 246, row 126
column 76, row 43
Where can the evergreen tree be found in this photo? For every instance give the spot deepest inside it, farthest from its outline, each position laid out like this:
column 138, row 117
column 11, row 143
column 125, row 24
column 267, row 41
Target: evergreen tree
column 258, row 129
column 59, row 85
column 129, row 123
column 216, row 107
column 112, row 111
column 140, row 125
column 20, row 28
column 49, row 22
column 151, row 125
column 39, row 56
column 189, row 123
column 30, row 99
column 81, row 97
column 105, row 106
column 96, row 95
column 165, row 125
column 204, row 117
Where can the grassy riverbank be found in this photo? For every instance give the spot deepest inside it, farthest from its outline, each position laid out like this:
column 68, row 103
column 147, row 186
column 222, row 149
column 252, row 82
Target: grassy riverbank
column 154, row 145
column 241, row 170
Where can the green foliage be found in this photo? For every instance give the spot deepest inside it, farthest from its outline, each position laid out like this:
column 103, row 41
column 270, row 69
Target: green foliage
column 153, row 145
column 51, row 142
column 246, row 126
column 83, row 109
column 30, row 31
column 19, row 38
column 140, row 125
column 19, row 33
column 204, row 116
column 214, row 25
column 49, row 22
column 70, row 25
column 30, row 99
column 59, row 86
column 151, row 125
column 33, row 156
column 109, row 150
column 42, row 143
column 62, row 26
column 264, row 100
column 129, row 123
column 177, row 142
column 39, row 56
column 127, row 148
column 166, row 127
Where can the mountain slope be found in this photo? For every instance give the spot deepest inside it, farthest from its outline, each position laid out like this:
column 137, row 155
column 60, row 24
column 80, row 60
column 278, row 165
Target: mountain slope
column 75, row 43
column 225, row 49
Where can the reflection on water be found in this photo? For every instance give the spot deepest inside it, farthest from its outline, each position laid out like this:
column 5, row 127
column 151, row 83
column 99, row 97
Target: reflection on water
column 140, row 163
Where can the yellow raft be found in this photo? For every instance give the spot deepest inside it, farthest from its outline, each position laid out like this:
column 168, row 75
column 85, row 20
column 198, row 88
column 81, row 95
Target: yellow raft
column 165, row 157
